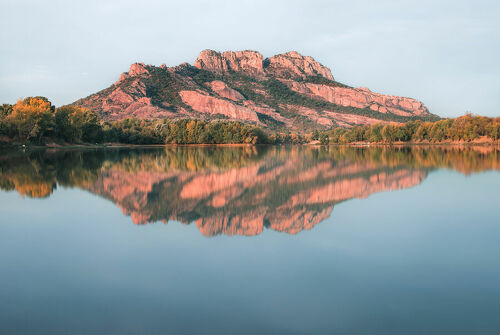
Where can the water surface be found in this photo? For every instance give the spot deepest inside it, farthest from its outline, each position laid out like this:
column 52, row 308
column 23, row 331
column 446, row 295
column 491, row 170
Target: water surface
column 269, row 240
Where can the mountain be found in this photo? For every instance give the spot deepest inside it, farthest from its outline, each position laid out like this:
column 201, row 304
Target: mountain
column 287, row 91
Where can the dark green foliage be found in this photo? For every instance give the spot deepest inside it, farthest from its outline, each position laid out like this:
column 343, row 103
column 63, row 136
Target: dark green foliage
column 324, row 81
column 198, row 131
column 163, row 87
column 200, row 76
column 5, row 110
column 6, row 128
column 287, row 138
column 131, row 131
column 323, row 138
column 75, row 124
column 134, row 131
column 203, row 76
column 269, row 121
column 249, row 94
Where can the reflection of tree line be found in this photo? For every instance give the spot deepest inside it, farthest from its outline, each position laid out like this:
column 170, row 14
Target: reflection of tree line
column 234, row 190
column 37, row 174
column 190, row 158
column 461, row 158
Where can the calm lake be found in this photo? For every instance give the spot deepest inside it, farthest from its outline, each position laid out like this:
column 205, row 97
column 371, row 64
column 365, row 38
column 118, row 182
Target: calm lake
column 250, row 240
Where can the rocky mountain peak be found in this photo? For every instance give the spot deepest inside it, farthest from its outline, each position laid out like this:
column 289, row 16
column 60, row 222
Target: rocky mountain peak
column 248, row 62
column 136, row 69
column 290, row 65
column 293, row 65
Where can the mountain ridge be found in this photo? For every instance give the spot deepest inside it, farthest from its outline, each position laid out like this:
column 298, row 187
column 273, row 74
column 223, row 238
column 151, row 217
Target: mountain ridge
column 286, row 91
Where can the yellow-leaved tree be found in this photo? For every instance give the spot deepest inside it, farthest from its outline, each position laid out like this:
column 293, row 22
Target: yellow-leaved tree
column 33, row 118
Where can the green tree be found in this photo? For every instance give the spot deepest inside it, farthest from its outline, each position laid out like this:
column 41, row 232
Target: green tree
column 76, row 124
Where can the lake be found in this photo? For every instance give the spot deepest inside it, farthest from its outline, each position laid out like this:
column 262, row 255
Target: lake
column 250, row 240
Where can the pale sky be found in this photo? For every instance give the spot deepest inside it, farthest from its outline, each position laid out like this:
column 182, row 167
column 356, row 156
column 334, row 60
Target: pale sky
column 444, row 53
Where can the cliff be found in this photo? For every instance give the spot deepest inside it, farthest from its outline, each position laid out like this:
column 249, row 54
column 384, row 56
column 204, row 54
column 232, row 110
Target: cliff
column 286, row 91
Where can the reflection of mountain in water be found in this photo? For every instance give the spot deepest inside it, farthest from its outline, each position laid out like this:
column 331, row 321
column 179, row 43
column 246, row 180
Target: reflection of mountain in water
column 236, row 190
column 288, row 192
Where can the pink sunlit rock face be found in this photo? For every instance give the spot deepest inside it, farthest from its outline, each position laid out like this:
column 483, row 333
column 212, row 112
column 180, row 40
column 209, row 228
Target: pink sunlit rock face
column 361, row 98
column 247, row 62
column 207, row 104
column 221, row 88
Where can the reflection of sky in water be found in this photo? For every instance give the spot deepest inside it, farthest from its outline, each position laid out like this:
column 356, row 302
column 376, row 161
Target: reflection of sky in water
column 413, row 261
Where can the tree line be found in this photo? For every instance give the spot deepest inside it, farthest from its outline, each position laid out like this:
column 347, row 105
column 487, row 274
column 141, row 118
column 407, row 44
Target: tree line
column 36, row 120
column 462, row 129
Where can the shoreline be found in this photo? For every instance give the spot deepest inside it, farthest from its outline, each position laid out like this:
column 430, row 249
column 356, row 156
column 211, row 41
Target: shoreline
column 11, row 146
column 435, row 144
column 354, row 144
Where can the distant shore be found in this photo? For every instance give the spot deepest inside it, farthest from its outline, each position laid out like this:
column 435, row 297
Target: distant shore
column 313, row 143
column 117, row 145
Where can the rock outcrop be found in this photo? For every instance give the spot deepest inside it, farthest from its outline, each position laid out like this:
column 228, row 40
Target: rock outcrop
column 207, row 104
column 287, row 65
column 248, row 62
column 135, row 70
column 360, row 98
column 221, row 89
column 284, row 92
column 294, row 65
